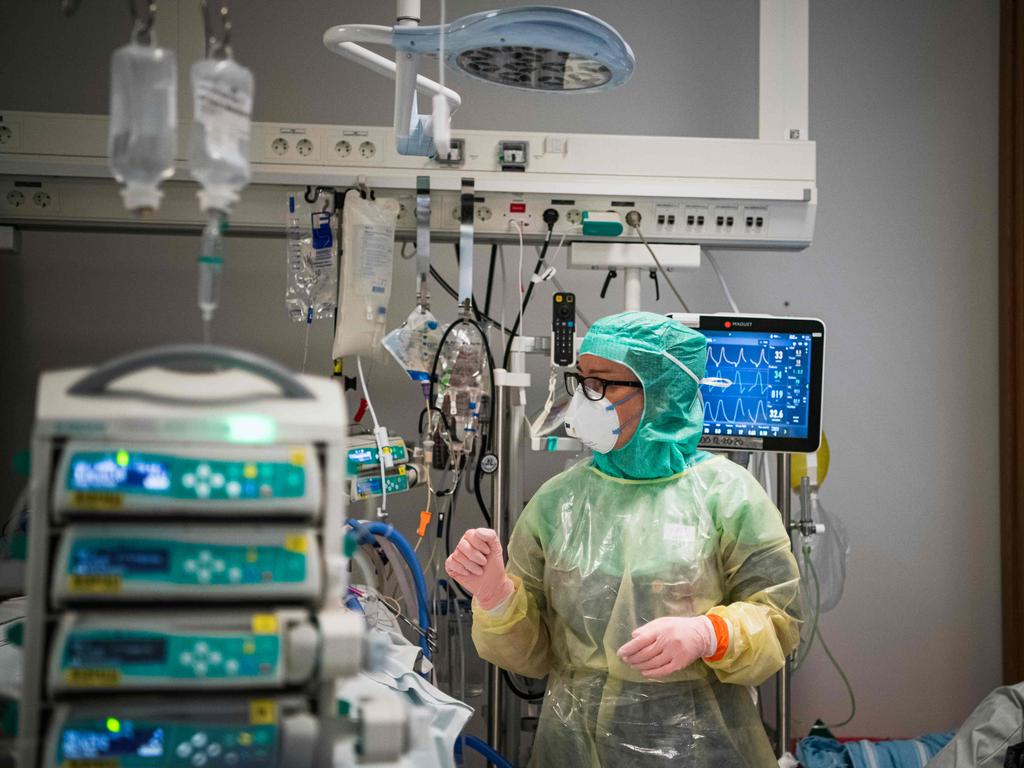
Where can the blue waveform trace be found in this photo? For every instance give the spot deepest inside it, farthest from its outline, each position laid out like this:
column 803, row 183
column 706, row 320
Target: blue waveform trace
column 759, row 416
column 723, row 358
column 738, row 382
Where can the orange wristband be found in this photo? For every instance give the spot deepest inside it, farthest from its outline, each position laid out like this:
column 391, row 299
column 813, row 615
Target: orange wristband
column 721, row 637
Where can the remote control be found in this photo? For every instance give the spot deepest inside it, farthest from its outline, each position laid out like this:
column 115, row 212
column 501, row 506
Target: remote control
column 563, row 329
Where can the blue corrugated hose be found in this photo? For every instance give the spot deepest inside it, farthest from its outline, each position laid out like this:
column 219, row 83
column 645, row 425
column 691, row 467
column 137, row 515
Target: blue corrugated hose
column 388, row 532
column 487, row 751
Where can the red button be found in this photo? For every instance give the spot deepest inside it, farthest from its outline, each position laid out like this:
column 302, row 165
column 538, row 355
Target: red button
column 517, row 207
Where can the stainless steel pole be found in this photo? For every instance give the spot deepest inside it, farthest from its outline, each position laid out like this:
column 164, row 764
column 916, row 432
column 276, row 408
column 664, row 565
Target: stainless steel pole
column 782, row 679
column 495, row 690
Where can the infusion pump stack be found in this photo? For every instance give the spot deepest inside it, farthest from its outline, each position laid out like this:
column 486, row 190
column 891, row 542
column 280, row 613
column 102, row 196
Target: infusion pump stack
column 186, row 567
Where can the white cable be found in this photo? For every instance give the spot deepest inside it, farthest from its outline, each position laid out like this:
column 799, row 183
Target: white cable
column 721, row 279
column 661, row 269
column 382, row 510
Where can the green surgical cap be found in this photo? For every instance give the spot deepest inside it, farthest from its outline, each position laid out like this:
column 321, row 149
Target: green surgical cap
column 653, row 346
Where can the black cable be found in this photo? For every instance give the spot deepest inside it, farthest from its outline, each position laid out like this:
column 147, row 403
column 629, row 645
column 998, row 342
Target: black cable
column 447, row 288
column 519, row 692
column 444, row 417
column 526, row 299
column 490, row 278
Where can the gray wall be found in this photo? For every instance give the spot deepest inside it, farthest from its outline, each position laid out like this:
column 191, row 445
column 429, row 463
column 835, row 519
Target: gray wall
column 903, row 271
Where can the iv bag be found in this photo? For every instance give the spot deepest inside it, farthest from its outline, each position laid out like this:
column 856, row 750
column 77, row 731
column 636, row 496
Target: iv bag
column 143, row 121
column 312, row 254
column 461, row 382
column 222, row 93
column 414, row 343
column 368, row 247
column 828, row 552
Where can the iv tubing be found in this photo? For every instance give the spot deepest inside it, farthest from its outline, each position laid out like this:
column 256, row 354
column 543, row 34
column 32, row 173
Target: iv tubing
column 485, row 749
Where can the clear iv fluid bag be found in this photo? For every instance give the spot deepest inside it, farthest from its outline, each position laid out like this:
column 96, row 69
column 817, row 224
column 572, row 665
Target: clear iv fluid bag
column 462, row 365
column 222, row 92
column 143, row 121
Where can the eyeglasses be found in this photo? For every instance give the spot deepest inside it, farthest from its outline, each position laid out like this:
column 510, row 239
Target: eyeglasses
column 593, row 387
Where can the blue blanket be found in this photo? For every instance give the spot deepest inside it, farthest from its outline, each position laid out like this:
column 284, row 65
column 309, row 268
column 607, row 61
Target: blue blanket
column 817, row 752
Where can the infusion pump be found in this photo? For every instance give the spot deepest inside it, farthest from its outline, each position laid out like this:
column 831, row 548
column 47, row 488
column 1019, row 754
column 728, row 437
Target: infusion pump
column 186, row 567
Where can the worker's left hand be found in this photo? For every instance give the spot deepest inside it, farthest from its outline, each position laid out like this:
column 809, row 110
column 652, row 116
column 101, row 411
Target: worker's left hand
column 668, row 644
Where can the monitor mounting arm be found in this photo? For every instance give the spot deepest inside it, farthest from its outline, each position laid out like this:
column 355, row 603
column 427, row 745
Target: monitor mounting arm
column 414, row 133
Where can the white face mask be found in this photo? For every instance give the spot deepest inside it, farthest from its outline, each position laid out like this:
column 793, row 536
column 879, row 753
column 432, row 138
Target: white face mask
column 595, row 423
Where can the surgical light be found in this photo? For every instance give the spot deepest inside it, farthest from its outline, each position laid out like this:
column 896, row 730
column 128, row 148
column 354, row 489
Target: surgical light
column 536, row 48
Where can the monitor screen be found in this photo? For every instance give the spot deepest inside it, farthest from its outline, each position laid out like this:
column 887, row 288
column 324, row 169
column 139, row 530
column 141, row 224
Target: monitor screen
column 769, row 376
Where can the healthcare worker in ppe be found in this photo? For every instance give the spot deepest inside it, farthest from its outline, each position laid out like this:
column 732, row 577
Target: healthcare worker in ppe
column 653, row 584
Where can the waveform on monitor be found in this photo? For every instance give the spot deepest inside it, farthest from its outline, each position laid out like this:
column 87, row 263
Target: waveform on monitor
column 723, row 359
column 741, row 414
column 759, row 384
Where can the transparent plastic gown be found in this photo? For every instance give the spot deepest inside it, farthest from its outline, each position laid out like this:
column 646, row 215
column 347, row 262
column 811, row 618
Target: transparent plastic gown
column 594, row 557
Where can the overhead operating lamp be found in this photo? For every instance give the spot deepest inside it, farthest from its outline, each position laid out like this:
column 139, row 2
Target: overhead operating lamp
column 535, row 48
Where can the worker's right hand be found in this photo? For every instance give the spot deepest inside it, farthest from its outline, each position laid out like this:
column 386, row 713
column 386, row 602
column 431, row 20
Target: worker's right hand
column 478, row 566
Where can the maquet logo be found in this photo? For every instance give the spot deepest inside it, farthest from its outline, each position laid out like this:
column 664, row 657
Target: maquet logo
column 738, row 324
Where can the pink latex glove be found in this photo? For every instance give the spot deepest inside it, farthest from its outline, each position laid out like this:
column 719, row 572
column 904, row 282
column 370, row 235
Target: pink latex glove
column 477, row 564
column 668, row 644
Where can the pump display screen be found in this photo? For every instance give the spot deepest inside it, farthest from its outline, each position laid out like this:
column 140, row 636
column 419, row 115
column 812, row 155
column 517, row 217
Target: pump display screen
column 95, row 652
column 769, row 375
column 105, row 559
column 115, row 738
column 120, row 473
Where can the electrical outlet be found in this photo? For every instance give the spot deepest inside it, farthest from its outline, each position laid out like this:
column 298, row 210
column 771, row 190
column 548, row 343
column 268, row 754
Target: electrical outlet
column 279, row 146
column 342, row 148
column 483, row 213
column 15, row 199
column 305, row 147
column 367, row 149
column 45, row 200
column 574, row 216
column 10, row 134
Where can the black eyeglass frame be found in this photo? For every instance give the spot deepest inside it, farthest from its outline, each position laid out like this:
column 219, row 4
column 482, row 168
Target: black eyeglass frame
column 572, row 376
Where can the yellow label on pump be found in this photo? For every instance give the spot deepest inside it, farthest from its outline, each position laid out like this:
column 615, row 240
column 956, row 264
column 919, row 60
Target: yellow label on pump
column 262, row 712
column 98, row 501
column 96, row 584
column 296, row 543
column 92, row 678
column 298, row 458
column 401, row 470
column 264, row 624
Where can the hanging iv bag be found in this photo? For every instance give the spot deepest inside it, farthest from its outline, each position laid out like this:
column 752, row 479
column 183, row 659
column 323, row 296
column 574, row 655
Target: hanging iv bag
column 143, row 121
column 222, row 91
column 368, row 248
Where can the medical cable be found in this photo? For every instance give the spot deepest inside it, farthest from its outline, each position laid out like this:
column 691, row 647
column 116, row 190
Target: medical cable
column 657, row 262
column 389, row 532
column 524, row 299
column 816, row 632
column 487, row 751
column 380, row 435
column 447, row 288
column 721, row 280
column 519, row 692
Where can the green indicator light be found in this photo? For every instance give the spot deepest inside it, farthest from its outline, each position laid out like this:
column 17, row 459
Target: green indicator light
column 122, row 458
column 251, row 429
column 113, row 725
